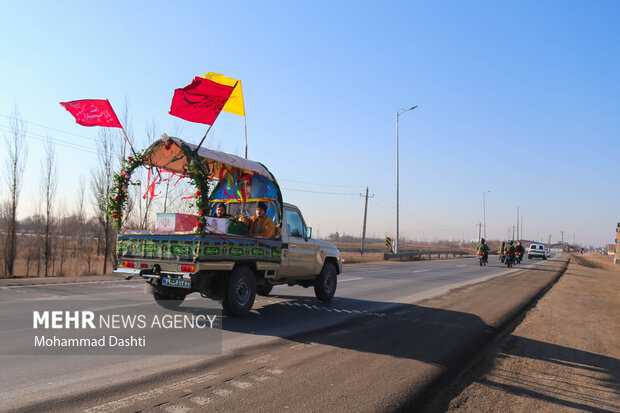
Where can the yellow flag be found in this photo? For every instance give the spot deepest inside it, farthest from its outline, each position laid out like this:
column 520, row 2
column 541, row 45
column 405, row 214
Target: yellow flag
column 235, row 101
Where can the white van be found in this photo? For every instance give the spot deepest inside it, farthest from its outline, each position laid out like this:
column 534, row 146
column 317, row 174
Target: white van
column 537, row 251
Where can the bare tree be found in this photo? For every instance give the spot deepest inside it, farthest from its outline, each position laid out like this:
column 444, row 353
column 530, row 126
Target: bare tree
column 17, row 153
column 63, row 237
column 142, row 195
column 49, row 184
column 80, row 213
column 102, row 180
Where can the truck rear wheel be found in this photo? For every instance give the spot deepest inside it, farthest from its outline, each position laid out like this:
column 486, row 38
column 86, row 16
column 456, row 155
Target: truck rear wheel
column 240, row 291
column 326, row 282
column 165, row 297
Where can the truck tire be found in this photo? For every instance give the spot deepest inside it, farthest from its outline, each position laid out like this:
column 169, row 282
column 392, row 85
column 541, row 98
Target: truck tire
column 263, row 290
column 165, row 297
column 240, row 291
column 325, row 284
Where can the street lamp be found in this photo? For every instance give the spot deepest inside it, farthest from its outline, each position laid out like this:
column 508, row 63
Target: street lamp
column 398, row 113
column 484, row 212
column 518, row 206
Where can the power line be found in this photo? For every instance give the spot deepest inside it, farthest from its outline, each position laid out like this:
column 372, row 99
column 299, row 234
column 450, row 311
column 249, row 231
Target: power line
column 42, row 138
column 319, row 184
column 319, row 192
column 47, row 127
column 411, row 215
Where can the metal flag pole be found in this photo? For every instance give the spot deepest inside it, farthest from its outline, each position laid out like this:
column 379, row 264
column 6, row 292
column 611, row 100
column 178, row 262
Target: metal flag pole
column 129, row 142
column 245, row 123
column 203, row 138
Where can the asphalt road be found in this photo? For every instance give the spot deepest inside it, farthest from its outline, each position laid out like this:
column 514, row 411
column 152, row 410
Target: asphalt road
column 369, row 346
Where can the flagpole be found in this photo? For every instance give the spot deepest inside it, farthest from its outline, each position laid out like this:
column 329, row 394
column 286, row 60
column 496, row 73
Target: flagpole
column 203, row 138
column 130, row 145
column 245, row 123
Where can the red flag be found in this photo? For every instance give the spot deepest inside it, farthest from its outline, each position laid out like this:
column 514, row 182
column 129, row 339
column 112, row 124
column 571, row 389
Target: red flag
column 201, row 101
column 93, row 112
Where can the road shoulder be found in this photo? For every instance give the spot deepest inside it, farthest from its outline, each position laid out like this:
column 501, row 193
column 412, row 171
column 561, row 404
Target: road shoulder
column 563, row 355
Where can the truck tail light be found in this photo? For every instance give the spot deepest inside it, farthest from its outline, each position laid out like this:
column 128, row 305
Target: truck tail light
column 129, row 264
column 187, row 268
column 144, row 265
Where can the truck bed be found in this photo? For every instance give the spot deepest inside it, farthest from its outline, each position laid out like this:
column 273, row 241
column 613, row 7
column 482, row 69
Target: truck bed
column 189, row 247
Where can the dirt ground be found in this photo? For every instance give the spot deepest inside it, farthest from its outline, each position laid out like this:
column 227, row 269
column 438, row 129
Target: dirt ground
column 564, row 356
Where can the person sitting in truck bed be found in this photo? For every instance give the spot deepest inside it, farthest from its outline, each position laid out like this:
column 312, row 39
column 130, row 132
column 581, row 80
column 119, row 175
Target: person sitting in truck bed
column 220, row 211
column 261, row 224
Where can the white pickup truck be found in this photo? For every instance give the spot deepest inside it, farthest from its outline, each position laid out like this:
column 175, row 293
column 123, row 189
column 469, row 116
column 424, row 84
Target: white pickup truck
column 231, row 266
column 537, row 251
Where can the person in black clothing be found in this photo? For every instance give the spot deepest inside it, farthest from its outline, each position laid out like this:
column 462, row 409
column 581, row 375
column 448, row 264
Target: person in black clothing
column 520, row 251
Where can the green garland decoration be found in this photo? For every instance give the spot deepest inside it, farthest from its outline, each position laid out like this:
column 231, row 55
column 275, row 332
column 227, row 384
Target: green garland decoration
column 118, row 192
column 196, row 169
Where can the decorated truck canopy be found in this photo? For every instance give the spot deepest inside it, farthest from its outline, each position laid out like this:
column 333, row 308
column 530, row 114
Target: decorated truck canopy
column 239, row 181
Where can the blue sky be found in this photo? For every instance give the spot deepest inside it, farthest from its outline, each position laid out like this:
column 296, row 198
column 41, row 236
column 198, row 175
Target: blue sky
column 520, row 98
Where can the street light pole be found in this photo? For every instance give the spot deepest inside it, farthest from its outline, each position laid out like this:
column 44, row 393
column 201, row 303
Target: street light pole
column 518, row 206
column 484, row 211
column 396, row 242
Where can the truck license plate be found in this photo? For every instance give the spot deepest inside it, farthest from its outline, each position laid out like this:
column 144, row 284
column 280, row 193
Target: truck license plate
column 176, row 282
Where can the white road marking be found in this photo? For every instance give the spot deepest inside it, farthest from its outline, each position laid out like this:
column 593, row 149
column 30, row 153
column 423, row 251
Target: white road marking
column 260, row 378
column 241, row 384
column 421, row 270
column 351, row 279
column 171, row 408
column 129, row 401
column 221, row 392
column 302, row 346
column 275, row 372
column 263, row 359
column 201, row 400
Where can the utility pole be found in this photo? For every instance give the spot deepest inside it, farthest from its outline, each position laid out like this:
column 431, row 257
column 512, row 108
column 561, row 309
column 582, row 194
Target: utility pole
column 562, row 232
column 479, row 225
column 365, row 215
column 513, row 232
column 521, row 237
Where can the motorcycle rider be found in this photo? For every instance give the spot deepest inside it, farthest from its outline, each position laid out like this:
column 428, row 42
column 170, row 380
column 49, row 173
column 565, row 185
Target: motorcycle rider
column 520, row 250
column 484, row 249
column 510, row 251
column 502, row 250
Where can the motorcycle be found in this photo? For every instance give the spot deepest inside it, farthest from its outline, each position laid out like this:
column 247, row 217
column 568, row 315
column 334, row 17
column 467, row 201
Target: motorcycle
column 483, row 260
column 518, row 257
column 502, row 257
column 509, row 260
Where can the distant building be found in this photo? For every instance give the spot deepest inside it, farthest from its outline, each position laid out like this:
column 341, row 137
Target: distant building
column 617, row 246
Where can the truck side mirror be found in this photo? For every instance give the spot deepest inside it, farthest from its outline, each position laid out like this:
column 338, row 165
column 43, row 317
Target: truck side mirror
column 308, row 233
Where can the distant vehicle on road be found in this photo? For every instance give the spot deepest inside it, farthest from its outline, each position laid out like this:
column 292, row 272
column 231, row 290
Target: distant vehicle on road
column 537, row 251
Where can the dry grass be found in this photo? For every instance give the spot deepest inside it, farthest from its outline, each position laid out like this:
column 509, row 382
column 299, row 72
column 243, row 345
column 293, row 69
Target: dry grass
column 77, row 259
column 595, row 260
